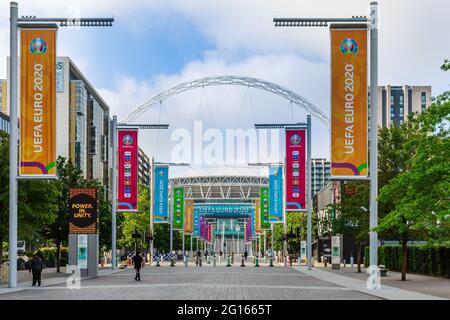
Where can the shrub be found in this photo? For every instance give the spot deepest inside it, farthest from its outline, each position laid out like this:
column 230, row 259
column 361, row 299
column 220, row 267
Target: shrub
column 423, row 259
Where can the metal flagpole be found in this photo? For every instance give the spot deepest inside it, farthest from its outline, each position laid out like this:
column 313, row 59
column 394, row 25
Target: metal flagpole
column 272, row 236
column 191, row 243
column 265, row 248
column 284, row 219
column 151, row 206
column 373, row 135
column 308, row 194
column 13, row 145
column 114, row 195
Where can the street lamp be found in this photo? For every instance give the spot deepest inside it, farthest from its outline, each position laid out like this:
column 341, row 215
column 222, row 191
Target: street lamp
column 172, row 164
column 372, row 22
column 15, row 24
column 306, row 126
column 115, row 127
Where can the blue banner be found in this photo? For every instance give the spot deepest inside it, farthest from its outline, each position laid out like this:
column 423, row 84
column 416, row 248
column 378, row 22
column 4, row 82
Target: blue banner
column 225, row 210
column 196, row 229
column 253, row 224
column 161, row 194
column 275, row 194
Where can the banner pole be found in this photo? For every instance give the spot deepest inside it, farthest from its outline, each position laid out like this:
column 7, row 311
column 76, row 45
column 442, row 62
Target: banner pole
column 308, row 194
column 114, row 195
column 13, row 146
column 373, row 135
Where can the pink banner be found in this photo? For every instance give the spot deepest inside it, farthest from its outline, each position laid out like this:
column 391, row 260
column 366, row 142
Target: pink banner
column 295, row 169
column 127, row 198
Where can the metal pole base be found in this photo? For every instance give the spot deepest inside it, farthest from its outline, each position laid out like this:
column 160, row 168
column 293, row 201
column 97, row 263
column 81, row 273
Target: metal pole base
column 256, row 262
column 242, row 262
column 228, row 261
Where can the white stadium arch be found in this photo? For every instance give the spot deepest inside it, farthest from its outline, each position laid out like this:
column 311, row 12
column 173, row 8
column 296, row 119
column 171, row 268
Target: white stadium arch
column 291, row 96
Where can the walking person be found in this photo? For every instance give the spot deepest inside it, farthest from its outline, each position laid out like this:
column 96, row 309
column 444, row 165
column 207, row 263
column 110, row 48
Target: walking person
column 245, row 255
column 36, row 268
column 137, row 261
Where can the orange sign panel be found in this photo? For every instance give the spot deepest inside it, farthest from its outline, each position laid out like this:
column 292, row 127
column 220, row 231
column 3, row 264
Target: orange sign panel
column 189, row 216
column 349, row 102
column 38, row 102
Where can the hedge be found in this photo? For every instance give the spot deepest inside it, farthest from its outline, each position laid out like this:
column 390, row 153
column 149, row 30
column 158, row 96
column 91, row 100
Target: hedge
column 422, row 259
column 49, row 253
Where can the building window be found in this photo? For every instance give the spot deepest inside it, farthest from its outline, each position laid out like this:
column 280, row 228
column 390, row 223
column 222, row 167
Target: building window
column 423, row 101
column 401, row 100
column 92, row 140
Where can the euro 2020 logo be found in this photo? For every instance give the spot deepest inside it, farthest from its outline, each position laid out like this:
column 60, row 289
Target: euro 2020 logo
column 349, row 46
column 38, row 46
column 295, row 139
column 127, row 140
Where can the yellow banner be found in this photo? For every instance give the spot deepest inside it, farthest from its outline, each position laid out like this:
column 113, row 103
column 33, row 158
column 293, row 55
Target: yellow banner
column 38, row 102
column 349, row 102
column 189, row 216
column 257, row 217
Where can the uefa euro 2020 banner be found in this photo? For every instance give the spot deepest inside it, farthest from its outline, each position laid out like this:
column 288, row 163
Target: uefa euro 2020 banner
column 349, row 102
column 161, row 194
column 264, row 208
column 178, row 208
column 275, row 194
column 38, row 102
column 196, row 227
column 127, row 197
column 295, row 169
column 188, row 216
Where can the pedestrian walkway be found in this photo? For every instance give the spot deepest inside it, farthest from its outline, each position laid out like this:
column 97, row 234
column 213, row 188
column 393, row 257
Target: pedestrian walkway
column 418, row 288
column 198, row 283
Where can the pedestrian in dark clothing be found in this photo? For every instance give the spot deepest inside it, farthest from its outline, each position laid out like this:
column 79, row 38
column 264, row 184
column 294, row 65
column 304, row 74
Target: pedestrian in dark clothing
column 245, row 255
column 137, row 261
column 36, row 268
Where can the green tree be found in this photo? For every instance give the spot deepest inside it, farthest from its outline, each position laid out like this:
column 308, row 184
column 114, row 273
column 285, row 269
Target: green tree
column 352, row 220
column 68, row 176
column 36, row 200
column 419, row 194
column 136, row 221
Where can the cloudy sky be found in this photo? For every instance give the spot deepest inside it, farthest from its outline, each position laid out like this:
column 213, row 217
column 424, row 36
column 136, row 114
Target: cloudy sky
column 157, row 44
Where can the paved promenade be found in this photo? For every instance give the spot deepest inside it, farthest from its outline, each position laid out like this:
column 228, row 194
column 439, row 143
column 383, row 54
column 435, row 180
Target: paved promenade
column 227, row 283
column 197, row 283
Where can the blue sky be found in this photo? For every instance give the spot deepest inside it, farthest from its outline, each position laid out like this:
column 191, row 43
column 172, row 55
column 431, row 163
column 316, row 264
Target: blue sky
column 157, row 44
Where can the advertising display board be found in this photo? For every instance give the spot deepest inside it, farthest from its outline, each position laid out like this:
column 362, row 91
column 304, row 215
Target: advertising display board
column 83, row 211
column 264, row 208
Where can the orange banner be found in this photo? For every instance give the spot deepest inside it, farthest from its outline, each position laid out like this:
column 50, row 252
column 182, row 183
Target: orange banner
column 188, row 216
column 38, row 102
column 349, row 102
column 257, row 217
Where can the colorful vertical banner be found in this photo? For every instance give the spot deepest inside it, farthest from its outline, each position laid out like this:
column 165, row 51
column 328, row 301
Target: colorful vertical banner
column 257, row 216
column 248, row 229
column 295, row 169
column 178, row 208
column 38, row 102
column 188, row 216
column 202, row 227
column 349, row 154
column 275, row 194
column 196, row 229
column 127, row 197
column 161, row 194
column 264, row 208
column 253, row 225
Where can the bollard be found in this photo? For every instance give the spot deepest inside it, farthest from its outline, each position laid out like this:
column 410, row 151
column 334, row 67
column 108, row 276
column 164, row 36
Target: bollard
column 228, row 261
column 352, row 260
column 200, row 261
column 214, row 261
column 242, row 261
column 344, row 263
column 186, row 260
column 256, row 262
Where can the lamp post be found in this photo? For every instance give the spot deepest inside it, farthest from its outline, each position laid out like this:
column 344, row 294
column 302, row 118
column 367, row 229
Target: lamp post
column 115, row 127
column 15, row 24
column 372, row 22
column 173, row 164
column 306, row 126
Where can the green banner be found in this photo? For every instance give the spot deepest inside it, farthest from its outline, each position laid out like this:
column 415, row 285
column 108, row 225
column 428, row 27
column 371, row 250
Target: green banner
column 178, row 208
column 264, row 211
